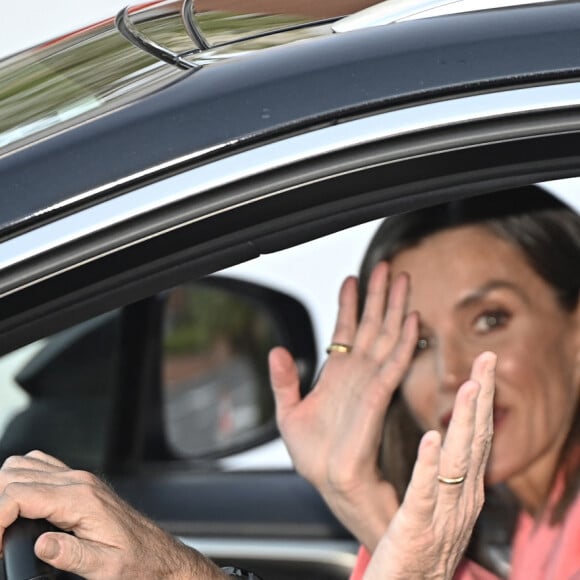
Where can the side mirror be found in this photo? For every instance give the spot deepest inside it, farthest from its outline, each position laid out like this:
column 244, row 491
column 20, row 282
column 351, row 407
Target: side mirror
column 216, row 391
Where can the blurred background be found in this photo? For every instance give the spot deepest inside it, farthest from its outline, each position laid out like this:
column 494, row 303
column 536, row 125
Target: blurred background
column 24, row 24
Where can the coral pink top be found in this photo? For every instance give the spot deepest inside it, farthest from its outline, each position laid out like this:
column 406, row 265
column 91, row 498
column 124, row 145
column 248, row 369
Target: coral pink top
column 544, row 552
column 467, row 570
column 539, row 552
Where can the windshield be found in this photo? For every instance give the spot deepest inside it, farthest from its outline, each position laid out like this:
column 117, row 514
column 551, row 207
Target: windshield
column 61, row 84
column 75, row 78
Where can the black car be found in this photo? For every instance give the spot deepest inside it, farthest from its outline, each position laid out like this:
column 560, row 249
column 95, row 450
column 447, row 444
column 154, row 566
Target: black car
column 143, row 155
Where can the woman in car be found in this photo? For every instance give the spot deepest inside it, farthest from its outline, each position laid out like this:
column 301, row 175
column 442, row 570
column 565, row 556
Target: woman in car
column 340, row 421
column 108, row 539
column 492, row 273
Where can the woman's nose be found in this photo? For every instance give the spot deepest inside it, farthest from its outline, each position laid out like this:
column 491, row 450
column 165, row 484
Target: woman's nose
column 453, row 365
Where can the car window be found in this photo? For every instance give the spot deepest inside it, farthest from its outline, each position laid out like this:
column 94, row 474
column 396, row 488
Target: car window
column 202, row 353
column 57, row 393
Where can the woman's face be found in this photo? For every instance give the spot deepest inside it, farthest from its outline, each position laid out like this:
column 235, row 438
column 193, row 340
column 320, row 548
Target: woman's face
column 475, row 292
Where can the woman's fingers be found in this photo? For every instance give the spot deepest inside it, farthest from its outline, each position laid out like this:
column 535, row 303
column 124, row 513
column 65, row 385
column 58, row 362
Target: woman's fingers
column 429, row 533
column 484, row 372
column 468, row 438
column 397, row 363
column 384, row 314
column 456, row 453
column 374, row 308
column 382, row 321
column 345, row 328
column 421, row 492
column 394, row 316
column 285, row 381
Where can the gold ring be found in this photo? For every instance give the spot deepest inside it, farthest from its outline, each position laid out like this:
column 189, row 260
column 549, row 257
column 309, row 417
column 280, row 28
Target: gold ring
column 451, row 480
column 338, row 347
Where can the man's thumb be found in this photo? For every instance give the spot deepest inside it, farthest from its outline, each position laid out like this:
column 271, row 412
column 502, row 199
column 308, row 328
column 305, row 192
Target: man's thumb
column 65, row 552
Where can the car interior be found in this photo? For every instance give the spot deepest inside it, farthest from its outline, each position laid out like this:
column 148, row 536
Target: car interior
column 156, row 394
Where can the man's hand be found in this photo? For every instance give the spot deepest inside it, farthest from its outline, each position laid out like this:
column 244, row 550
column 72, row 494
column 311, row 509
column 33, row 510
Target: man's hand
column 109, row 539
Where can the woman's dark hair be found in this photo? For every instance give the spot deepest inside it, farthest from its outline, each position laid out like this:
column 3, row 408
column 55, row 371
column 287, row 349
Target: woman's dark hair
column 548, row 234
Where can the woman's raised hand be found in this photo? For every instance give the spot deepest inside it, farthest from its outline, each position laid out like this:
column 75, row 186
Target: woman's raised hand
column 430, row 531
column 334, row 434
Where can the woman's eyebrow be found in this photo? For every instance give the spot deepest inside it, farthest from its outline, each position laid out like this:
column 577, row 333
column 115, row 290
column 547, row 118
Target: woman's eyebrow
column 480, row 293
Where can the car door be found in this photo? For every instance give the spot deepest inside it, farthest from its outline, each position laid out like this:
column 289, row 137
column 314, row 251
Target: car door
column 265, row 518
column 120, row 256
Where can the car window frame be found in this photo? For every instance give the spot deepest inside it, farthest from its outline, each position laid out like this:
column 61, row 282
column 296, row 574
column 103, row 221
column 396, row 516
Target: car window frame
column 217, row 226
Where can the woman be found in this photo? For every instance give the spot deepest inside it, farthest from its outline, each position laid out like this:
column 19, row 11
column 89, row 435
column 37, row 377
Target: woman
column 497, row 273
column 342, row 421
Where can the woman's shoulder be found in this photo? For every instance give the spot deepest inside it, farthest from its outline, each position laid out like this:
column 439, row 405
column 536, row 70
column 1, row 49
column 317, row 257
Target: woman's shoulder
column 467, row 570
column 362, row 561
column 545, row 551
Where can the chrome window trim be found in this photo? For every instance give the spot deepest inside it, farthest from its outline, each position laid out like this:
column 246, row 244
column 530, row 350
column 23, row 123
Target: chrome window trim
column 132, row 34
column 393, row 11
column 278, row 154
column 341, row 553
column 190, row 23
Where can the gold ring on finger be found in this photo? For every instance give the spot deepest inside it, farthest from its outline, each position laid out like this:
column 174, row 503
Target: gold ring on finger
column 451, row 480
column 338, row 347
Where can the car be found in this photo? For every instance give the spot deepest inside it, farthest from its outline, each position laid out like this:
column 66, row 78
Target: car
column 184, row 188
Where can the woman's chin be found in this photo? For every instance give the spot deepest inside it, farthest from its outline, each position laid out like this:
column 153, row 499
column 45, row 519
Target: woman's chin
column 497, row 471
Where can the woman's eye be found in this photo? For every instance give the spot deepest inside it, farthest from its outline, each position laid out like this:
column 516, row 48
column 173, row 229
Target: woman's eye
column 490, row 321
column 422, row 344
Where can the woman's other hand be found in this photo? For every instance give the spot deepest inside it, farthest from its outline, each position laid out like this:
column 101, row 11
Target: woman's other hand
column 334, row 434
column 429, row 533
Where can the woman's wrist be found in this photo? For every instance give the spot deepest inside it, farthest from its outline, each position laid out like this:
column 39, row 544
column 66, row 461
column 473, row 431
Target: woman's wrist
column 367, row 516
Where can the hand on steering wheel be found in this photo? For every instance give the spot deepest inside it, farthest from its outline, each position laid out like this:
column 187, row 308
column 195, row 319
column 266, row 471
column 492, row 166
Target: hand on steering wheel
column 20, row 561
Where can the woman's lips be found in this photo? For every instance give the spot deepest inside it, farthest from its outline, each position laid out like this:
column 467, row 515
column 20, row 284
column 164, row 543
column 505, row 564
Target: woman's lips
column 445, row 420
column 499, row 414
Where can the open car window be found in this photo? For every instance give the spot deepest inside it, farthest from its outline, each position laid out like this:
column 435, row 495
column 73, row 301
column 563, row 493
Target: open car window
column 208, row 350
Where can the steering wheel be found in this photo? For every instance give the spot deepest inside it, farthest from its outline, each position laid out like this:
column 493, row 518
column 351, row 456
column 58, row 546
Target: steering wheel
column 20, row 562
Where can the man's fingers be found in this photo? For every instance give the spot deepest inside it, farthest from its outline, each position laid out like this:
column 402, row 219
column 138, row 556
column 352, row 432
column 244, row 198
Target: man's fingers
column 32, row 461
column 47, row 459
column 68, row 553
column 24, row 469
column 285, row 381
column 9, row 511
column 33, row 501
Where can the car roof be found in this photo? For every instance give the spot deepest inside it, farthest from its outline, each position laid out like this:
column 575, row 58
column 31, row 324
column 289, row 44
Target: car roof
column 207, row 111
